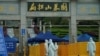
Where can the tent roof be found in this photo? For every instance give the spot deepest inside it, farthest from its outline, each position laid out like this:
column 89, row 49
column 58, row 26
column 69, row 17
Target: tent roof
column 66, row 37
column 84, row 37
column 48, row 35
column 81, row 38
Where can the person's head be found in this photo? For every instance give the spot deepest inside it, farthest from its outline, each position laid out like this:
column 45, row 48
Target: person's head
column 36, row 29
column 5, row 31
column 90, row 40
column 46, row 40
column 55, row 43
column 50, row 40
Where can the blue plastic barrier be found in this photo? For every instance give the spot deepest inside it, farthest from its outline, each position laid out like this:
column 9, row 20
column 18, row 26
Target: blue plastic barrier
column 3, row 49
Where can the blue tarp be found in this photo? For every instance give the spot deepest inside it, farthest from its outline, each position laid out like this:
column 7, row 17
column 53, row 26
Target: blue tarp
column 83, row 37
column 66, row 37
column 36, row 39
column 48, row 35
column 3, row 49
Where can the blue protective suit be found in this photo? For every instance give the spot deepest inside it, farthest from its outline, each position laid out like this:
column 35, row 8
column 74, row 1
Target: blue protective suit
column 91, row 47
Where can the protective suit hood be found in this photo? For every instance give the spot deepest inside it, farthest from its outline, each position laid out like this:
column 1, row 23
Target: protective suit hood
column 91, row 40
column 46, row 41
column 50, row 40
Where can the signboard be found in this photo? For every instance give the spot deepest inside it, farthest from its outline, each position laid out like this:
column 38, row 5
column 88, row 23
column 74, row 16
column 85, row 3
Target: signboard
column 48, row 6
column 88, row 9
column 23, row 32
column 9, row 8
column 3, row 49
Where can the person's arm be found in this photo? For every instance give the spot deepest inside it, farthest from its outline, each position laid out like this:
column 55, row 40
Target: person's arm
column 56, row 46
column 94, row 47
column 53, row 46
column 88, row 47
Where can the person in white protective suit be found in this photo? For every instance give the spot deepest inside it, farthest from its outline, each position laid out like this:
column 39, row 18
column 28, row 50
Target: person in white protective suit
column 91, row 47
column 51, row 50
column 46, row 46
column 56, row 49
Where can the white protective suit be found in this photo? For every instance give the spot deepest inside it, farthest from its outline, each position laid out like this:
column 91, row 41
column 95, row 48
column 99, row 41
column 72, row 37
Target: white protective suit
column 46, row 46
column 56, row 49
column 91, row 47
column 51, row 50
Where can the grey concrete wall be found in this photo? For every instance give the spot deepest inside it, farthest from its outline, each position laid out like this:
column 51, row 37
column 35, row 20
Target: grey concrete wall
column 48, row 0
column 48, row 14
column 9, row 17
column 88, row 0
column 9, row 0
column 88, row 17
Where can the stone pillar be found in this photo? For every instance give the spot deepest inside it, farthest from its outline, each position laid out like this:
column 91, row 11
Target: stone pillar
column 72, row 22
column 40, row 25
column 99, row 30
column 44, row 28
column 23, row 33
column 99, row 22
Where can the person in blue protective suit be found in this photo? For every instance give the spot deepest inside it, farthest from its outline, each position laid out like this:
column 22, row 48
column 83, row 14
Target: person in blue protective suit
column 5, row 31
column 91, row 47
column 46, row 46
column 51, row 49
